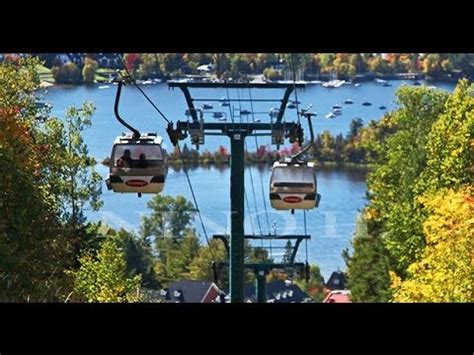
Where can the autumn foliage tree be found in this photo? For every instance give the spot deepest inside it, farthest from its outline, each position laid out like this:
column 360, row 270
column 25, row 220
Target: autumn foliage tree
column 445, row 271
column 429, row 151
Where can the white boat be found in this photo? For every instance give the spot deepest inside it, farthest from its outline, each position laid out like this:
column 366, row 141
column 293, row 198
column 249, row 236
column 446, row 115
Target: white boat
column 148, row 82
column 357, row 85
column 102, row 87
column 330, row 115
column 337, row 111
column 333, row 83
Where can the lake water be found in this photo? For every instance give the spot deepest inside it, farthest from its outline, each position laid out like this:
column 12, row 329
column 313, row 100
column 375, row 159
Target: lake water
column 343, row 190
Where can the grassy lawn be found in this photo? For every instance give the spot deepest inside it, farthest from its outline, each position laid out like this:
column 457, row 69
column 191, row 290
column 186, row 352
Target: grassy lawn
column 101, row 75
column 44, row 74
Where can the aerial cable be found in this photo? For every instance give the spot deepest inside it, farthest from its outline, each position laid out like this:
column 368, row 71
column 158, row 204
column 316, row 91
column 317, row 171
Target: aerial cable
column 294, row 86
column 261, row 179
column 248, row 208
column 141, row 90
column 251, row 177
column 185, row 168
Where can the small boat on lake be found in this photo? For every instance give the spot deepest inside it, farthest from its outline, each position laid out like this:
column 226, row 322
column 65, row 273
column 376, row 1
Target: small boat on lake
column 348, row 102
column 330, row 115
column 207, row 107
column 366, row 103
column 382, row 107
column 337, row 107
column 333, row 83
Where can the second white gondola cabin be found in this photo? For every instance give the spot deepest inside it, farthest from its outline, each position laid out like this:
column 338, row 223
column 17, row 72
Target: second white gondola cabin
column 293, row 186
column 138, row 165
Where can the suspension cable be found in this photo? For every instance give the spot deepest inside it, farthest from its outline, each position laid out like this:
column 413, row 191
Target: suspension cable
column 305, row 240
column 307, row 268
column 261, row 179
column 185, row 168
column 294, row 87
column 251, row 177
column 141, row 90
column 248, row 209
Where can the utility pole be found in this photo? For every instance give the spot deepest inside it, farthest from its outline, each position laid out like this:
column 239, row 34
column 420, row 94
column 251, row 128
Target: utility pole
column 237, row 166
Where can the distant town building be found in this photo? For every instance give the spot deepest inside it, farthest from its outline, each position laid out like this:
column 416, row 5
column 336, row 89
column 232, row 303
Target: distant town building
column 337, row 281
column 278, row 292
column 109, row 60
column 338, row 296
column 185, row 291
column 77, row 58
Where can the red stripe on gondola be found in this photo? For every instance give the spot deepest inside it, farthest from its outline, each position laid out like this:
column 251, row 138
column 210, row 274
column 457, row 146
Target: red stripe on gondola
column 292, row 199
column 136, row 183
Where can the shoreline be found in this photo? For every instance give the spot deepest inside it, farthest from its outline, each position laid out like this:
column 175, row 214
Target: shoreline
column 360, row 78
column 178, row 164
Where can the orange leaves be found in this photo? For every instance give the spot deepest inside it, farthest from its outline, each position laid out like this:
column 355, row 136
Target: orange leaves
column 16, row 137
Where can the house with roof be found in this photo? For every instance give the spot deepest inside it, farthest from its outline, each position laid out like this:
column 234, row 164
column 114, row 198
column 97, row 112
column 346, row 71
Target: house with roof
column 278, row 292
column 337, row 281
column 185, row 291
column 77, row 58
column 338, row 296
column 109, row 60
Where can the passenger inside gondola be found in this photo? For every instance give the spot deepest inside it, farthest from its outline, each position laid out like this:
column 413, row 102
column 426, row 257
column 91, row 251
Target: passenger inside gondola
column 125, row 160
column 142, row 162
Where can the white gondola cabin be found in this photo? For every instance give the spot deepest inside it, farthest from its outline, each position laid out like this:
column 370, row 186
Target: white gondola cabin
column 138, row 165
column 293, row 186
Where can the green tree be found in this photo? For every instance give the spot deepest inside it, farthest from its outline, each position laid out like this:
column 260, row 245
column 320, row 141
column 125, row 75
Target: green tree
column 139, row 257
column 355, row 127
column 450, row 149
column 170, row 216
column 403, row 160
column 201, row 266
column 314, row 287
column 76, row 182
column 150, row 66
column 379, row 65
column 89, row 70
column 432, row 64
column 430, row 150
column 33, row 243
column 368, row 267
column 175, row 257
column 68, row 73
column 103, row 277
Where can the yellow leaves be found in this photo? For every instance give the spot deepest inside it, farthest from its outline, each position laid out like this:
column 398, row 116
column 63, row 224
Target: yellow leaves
column 445, row 272
column 371, row 213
